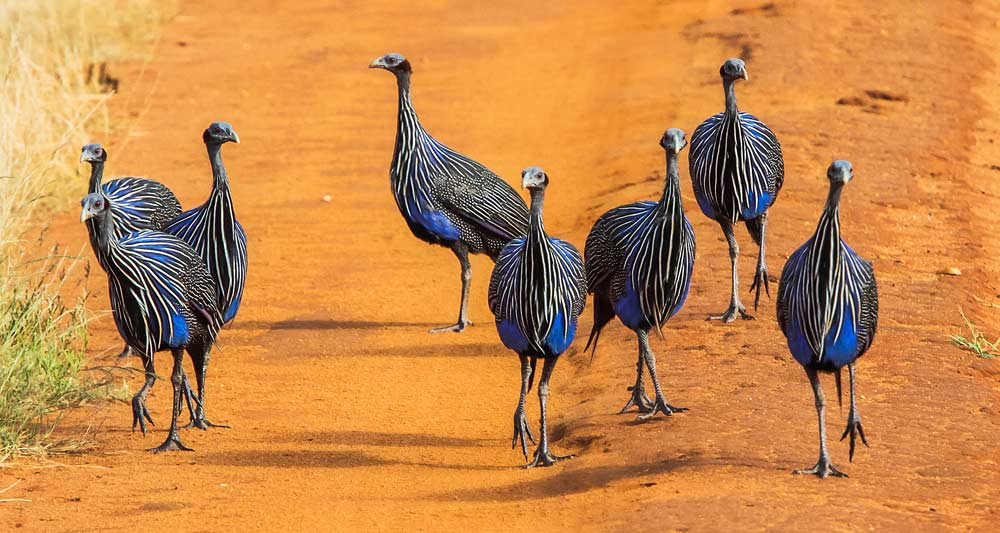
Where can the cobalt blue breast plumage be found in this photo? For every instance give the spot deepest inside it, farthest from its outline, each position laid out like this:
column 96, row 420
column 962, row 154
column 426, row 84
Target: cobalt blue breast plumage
column 537, row 292
column 828, row 310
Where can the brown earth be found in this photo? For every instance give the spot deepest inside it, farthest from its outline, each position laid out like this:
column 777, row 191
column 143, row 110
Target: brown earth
column 346, row 414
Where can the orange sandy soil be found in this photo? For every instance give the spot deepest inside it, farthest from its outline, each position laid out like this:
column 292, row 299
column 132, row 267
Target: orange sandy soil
column 346, row 414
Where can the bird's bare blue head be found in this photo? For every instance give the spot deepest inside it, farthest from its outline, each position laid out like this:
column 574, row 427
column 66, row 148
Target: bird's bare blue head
column 395, row 63
column 673, row 140
column 840, row 171
column 734, row 69
column 534, row 179
column 93, row 153
column 93, row 205
column 219, row 133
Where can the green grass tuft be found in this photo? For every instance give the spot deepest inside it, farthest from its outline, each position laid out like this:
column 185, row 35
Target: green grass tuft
column 976, row 342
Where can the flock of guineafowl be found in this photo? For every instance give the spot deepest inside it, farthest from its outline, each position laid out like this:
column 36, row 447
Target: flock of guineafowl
column 176, row 277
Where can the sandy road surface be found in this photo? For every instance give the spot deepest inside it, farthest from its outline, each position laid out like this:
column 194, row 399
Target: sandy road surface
column 347, row 414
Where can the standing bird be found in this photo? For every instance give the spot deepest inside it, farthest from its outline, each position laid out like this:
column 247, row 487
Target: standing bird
column 828, row 311
column 212, row 230
column 162, row 298
column 445, row 197
column 640, row 258
column 138, row 203
column 737, row 171
column 537, row 292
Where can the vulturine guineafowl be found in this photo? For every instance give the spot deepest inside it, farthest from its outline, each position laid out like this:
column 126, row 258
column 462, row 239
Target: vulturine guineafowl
column 212, row 230
column 537, row 292
column 640, row 257
column 737, row 171
column 138, row 203
column 828, row 311
column 162, row 298
column 445, row 197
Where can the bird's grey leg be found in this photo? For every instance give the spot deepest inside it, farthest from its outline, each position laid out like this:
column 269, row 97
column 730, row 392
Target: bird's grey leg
column 173, row 441
column 189, row 397
column 521, row 428
column 198, row 420
column 638, row 398
column 140, row 414
column 543, row 456
column 823, row 467
column 462, row 252
column 126, row 352
column 661, row 405
column 760, row 278
column 735, row 306
column 854, row 428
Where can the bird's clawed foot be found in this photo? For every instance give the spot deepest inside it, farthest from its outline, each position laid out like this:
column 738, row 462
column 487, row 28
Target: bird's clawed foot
column 759, row 280
column 172, row 444
column 140, row 414
column 457, row 327
column 638, row 400
column 202, row 423
column 730, row 314
column 521, row 430
column 544, row 457
column 823, row 469
column 855, row 430
column 661, row 406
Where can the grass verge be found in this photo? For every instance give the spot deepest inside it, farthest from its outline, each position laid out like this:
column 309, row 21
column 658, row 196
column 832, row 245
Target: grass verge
column 976, row 342
column 55, row 83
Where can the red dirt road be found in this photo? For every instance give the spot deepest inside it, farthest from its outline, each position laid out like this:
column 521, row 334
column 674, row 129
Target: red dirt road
column 346, row 414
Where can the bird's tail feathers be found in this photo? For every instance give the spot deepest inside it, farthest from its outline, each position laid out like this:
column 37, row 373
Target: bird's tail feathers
column 603, row 313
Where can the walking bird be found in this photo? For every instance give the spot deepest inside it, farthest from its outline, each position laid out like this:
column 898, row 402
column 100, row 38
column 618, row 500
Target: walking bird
column 212, row 230
column 737, row 170
column 828, row 311
column 162, row 298
column 445, row 197
column 537, row 292
column 139, row 203
column 640, row 258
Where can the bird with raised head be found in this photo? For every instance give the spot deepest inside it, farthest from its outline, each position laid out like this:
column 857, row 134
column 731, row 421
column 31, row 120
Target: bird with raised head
column 537, row 292
column 639, row 260
column 445, row 197
column 828, row 312
column 212, row 230
column 737, row 171
column 162, row 298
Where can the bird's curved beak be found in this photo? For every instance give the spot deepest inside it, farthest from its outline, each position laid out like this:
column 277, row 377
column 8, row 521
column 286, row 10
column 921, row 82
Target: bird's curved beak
column 83, row 158
column 86, row 215
column 235, row 138
column 745, row 76
column 377, row 63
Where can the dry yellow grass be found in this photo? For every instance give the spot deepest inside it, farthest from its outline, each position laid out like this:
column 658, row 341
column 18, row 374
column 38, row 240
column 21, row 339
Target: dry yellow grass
column 54, row 86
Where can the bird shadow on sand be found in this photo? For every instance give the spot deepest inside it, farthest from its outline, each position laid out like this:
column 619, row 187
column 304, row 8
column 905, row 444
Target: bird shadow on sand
column 325, row 324
column 297, row 458
column 388, row 439
column 570, row 480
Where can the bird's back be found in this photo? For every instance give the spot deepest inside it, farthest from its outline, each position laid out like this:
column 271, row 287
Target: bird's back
column 643, row 261
column 162, row 295
column 537, row 291
column 140, row 203
column 212, row 230
column 736, row 166
column 827, row 304
column 446, row 196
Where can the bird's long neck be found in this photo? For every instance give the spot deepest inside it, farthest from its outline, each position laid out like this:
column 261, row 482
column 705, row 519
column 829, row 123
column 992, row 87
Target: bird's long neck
column 671, row 197
column 827, row 249
column 536, row 227
column 729, row 87
column 220, row 180
column 102, row 230
column 96, row 174
column 408, row 126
